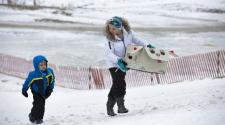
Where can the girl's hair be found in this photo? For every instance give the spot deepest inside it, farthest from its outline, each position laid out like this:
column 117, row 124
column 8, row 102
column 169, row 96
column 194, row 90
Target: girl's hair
column 109, row 35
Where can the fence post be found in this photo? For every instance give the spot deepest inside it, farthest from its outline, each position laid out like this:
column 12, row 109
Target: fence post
column 151, row 77
column 89, row 77
column 157, row 78
column 218, row 64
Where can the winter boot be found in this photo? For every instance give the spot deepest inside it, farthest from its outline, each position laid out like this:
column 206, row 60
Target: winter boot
column 120, row 104
column 31, row 118
column 110, row 104
column 39, row 121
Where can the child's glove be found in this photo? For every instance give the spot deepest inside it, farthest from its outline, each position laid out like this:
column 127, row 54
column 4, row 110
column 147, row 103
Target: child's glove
column 150, row 46
column 25, row 94
column 122, row 65
column 48, row 93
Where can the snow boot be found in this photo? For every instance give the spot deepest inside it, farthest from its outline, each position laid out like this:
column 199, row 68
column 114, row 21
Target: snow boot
column 31, row 118
column 120, row 104
column 110, row 104
column 39, row 121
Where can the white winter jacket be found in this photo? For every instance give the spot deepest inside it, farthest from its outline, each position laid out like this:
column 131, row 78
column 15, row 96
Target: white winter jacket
column 116, row 49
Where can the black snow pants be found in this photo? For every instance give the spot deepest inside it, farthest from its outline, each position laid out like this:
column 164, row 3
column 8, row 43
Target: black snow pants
column 118, row 88
column 38, row 109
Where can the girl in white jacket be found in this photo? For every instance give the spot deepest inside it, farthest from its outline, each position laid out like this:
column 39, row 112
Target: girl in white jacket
column 119, row 35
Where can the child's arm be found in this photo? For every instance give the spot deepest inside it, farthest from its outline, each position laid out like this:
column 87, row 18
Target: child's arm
column 50, row 88
column 52, row 84
column 27, row 82
column 26, row 85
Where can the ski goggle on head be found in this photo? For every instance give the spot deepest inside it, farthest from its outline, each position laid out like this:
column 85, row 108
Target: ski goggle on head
column 116, row 22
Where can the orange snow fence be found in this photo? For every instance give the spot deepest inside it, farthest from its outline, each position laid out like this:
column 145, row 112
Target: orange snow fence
column 194, row 67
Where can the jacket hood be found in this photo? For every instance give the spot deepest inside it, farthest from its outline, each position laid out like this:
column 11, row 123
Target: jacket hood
column 37, row 60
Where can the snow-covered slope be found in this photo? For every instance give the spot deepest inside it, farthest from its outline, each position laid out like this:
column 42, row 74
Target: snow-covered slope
column 187, row 103
column 77, row 48
column 146, row 13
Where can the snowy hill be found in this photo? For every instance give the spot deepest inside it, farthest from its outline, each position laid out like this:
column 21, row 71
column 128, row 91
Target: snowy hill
column 141, row 13
column 187, row 103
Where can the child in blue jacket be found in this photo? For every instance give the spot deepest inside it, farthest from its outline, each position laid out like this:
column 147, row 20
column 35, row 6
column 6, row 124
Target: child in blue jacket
column 41, row 82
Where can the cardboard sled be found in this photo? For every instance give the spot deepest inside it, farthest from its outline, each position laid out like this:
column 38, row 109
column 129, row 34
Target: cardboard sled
column 146, row 59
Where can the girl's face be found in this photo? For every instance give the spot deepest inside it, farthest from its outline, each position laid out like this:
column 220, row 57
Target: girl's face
column 43, row 65
column 113, row 30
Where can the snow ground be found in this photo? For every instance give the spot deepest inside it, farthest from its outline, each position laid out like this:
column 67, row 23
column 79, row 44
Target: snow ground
column 187, row 103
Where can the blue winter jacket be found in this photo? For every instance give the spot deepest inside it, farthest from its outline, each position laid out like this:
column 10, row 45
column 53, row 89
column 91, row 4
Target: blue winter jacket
column 39, row 81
